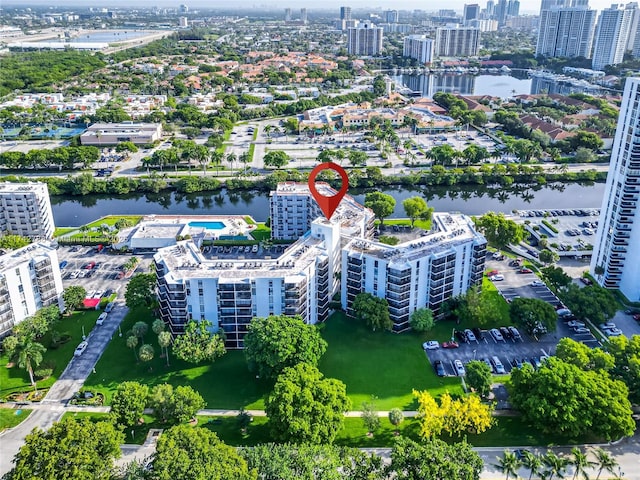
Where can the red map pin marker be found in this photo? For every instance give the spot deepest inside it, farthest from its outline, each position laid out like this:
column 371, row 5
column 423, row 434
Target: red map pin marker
column 328, row 205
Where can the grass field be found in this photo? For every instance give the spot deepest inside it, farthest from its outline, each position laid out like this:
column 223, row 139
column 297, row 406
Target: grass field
column 63, row 230
column 10, row 418
column 262, row 232
column 382, row 364
column 16, row 379
column 423, row 224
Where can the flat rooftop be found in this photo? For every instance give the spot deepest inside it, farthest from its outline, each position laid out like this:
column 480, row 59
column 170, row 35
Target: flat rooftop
column 34, row 251
column 8, row 187
column 448, row 229
column 185, row 261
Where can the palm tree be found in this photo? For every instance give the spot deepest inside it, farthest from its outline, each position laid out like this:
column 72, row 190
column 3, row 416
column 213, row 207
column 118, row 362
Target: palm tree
column 132, row 343
column 555, row 464
column 605, row 462
column 146, row 353
column 580, row 462
column 164, row 340
column 30, row 356
column 508, row 464
column 532, row 462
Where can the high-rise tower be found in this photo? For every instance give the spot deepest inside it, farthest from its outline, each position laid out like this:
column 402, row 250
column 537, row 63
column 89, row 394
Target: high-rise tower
column 616, row 256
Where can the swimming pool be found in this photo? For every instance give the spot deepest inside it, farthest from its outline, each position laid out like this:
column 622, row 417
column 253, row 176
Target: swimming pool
column 208, row 225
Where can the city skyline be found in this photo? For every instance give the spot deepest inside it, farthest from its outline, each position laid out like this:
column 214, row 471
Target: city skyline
column 526, row 6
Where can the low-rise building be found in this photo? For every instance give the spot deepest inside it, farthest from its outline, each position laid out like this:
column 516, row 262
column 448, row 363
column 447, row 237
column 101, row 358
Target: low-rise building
column 29, row 280
column 100, row 134
column 420, row 273
column 25, row 209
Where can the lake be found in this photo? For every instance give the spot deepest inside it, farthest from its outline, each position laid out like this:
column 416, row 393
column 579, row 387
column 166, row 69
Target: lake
column 76, row 211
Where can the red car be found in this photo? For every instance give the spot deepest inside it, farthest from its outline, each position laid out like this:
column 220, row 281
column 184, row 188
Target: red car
column 636, row 317
column 90, row 265
column 526, row 270
column 492, row 273
column 450, row 345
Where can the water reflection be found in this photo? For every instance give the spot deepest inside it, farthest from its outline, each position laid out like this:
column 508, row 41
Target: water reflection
column 472, row 200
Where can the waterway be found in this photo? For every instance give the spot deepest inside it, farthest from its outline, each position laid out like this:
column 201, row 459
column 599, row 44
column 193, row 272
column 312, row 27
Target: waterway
column 76, row 211
column 517, row 82
column 109, row 36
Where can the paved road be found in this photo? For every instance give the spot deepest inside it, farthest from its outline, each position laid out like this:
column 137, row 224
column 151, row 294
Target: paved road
column 69, row 382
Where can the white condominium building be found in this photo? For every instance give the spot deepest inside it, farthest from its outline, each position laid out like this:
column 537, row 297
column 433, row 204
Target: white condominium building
column 29, row 280
column 612, row 35
column 616, row 258
column 293, row 209
column 230, row 292
column 25, row 209
column 419, row 47
column 457, row 41
column 421, row 273
column 566, row 32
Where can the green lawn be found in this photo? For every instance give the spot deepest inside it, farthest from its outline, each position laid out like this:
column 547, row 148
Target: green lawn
column 63, row 230
column 423, row 224
column 262, row 232
column 10, row 418
column 111, row 220
column 386, row 365
column 226, row 383
column 16, row 379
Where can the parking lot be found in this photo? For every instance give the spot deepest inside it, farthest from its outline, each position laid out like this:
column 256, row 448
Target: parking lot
column 509, row 351
column 517, row 284
column 103, row 276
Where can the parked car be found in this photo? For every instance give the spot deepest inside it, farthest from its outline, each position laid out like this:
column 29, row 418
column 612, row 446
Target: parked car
column 563, row 311
column 491, row 273
column 63, row 264
column 80, row 349
column 450, row 345
column 576, row 324
column 504, row 331
column 488, row 363
column 90, row 265
column 570, row 316
column 526, row 270
column 515, row 334
column 613, row 332
column 496, row 278
column 470, row 336
column 439, row 367
column 460, row 371
column 581, row 330
column 462, row 338
column 537, row 283
column 498, row 256
column 497, row 336
column 498, row 366
column 535, row 361
column 109, row 307
column 586, row 281
column 478, row 333
column 102, row 318
column 431, row 345
column 607, row 326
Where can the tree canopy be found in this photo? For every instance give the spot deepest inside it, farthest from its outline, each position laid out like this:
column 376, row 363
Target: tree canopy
column 421, row 320
column 479, row 377
column 175, row 405
column 593, row 302
column 128, row 402
column 381, row 204
column 197, row 344
column 582, row 356
column 278, row 341
column 187, row 453
column 416, row 208
column 536, row 316
column 562, row 398
column 434, row 459
column 70, row 450
column 73, row 297
column 141, row 290
column 499, row 230
column 626, row 352
column 373, row 310
column 276, row 158
column 305, row 407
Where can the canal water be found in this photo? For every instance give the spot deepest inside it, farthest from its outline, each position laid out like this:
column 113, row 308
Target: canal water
column 76, row 211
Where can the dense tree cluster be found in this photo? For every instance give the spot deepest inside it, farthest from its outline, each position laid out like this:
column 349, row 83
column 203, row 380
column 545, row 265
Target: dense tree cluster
column 499, row 230
column 373, row 310
column 536, row 316
column 562, row 398
column 278, row 341
column 198, row 343
column 593, row 302
column 59, row 157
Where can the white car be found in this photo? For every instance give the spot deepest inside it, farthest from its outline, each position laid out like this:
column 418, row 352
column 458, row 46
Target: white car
column 581, row 330
column 497, row 336
column 74, row 274
column 608, row 326
column 575, row 324
column 613, row 332
column 80, row 349
column 102, row 318
column 470, row 335
column 537, row 283
column 563, row 311
column 431, row 345
column 496, row 278
column 460, row 371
